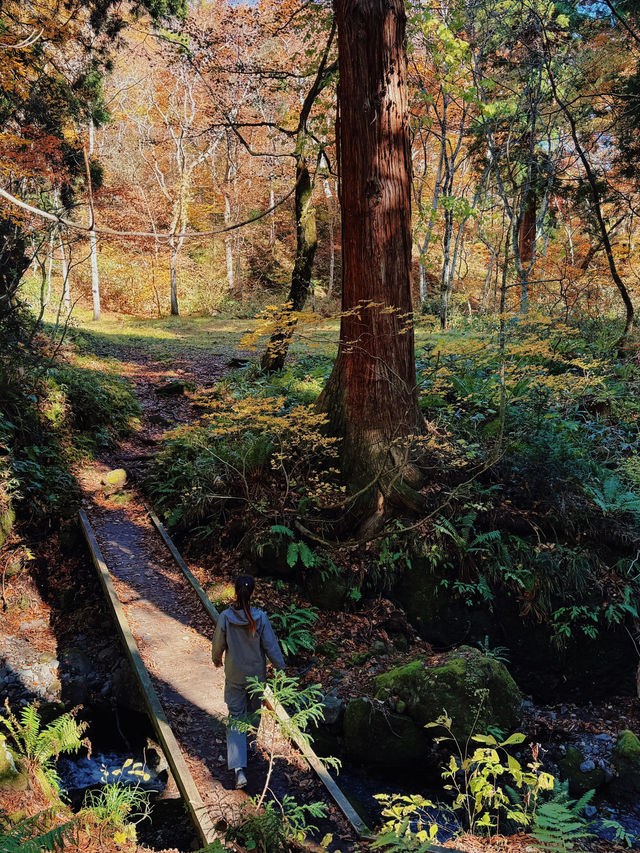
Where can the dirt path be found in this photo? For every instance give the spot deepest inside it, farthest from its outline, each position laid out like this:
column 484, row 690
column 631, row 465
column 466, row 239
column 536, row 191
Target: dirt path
column 172, row 631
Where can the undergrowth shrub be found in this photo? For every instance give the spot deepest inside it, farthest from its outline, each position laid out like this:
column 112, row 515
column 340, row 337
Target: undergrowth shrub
column 253, row 449
column 293, row 627
column 278, row 827
column 35, row 834
column 118, row 807
column 96, row 400
column 51, row 411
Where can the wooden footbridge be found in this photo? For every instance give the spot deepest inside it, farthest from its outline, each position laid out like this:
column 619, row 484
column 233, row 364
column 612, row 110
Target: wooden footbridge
column 166, row 623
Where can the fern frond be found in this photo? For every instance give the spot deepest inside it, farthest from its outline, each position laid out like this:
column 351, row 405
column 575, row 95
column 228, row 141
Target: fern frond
column 31, row 836
column 30, row 729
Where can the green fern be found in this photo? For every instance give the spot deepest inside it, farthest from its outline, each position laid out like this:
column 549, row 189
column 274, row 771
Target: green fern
column 559, row 824
column 293, row 627
column 42, row 746
column 612, row 497
column 32, row 835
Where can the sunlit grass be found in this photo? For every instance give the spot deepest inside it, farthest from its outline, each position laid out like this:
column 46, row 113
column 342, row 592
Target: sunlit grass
column 162, row 338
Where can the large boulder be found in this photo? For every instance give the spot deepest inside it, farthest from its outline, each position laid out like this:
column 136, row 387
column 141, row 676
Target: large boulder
column 327, row 593
column 626, row 761
column 475, row 690
column 379, row 738
column 583, row 668
column 440, row 616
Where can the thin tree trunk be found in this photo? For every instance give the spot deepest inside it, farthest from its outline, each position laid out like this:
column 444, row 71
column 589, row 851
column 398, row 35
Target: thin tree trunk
column 306, row 244
column 95, row 279
column 306, row 237
column 423, row 275
column 66, row 295
column 272, row 226
column 487, row 281
column 93, row 243
column 49, row 267
column 446, row 278
column 332, row 236
column 371, row 397
column 228, row 243
column 173, row 276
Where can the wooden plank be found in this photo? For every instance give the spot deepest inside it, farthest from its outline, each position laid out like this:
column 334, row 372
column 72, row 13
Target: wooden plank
column 325, row 777
column 186, row 571
column 323, row 774
column 181, row 772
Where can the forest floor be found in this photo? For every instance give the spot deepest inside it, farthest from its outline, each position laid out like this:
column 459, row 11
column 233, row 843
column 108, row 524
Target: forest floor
column 150, row 353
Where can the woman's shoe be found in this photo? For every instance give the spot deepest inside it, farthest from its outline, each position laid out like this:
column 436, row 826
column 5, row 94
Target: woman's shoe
column 241, row 779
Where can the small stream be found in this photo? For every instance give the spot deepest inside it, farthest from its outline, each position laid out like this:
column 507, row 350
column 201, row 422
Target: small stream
column 124, row 751
column 360, row 788
column 84, row 772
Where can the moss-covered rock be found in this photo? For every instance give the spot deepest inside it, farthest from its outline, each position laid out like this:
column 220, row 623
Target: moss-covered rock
column 12, row 777
column 175, row 387
column 7, row 520
column 440, row 616
column 114, row 480
column 583, row 775
column 475, row 690
column 378, row 738
column 626, row 760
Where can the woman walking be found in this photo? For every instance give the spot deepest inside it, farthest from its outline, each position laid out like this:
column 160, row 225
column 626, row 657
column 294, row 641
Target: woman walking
column 245, row 635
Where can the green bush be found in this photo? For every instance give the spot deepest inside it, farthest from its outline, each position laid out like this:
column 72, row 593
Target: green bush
column 96, row 400
column 199, row 473
column 35, row 834
column 41, row 745
column 50, row 412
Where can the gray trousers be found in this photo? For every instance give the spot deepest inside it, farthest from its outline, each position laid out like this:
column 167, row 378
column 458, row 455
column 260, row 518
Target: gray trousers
column 239, row 705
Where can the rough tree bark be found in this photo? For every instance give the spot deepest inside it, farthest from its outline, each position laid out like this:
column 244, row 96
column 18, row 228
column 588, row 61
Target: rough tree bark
column 371, row 397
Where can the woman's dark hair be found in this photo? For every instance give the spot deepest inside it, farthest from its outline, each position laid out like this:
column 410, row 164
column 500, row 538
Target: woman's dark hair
column 244, row 586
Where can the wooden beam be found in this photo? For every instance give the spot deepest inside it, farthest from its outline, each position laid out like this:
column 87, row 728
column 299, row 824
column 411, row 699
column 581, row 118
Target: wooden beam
column 323, row 774
column 181, row 772
column 186, row 571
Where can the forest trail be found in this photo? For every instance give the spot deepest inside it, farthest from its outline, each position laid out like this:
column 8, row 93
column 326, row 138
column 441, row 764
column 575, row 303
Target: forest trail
column 170, row 627
column 171, row 631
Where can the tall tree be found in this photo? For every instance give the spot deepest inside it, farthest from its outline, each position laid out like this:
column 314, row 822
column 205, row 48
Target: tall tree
column 371, row 397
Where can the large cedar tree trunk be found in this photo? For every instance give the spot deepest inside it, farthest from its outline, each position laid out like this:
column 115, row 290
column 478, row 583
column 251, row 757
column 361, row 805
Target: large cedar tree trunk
column 371, row 397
